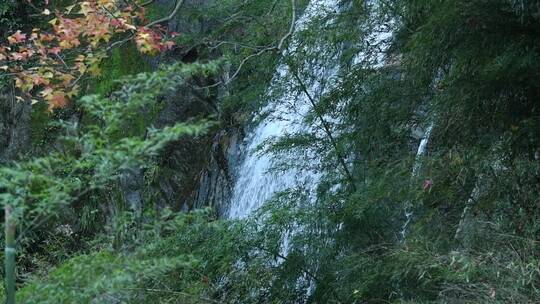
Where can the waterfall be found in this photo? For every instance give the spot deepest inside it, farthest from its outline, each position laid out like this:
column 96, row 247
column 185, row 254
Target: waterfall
column 255, row 184
column 422, row 149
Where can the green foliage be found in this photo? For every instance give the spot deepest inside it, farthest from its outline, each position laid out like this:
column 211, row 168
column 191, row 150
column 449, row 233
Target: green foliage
column 167, row 264
column 467, row 68
column 241, row 39
column 89, row 156
column 103, row 277
column 123, row 62
column 10, row 16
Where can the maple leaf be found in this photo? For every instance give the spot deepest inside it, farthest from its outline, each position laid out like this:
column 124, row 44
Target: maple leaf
column 94, row 70
column 18, row 37
column 73, row 92
column 66, row 79
column 109, row 4
column 25, row 83
column 55, row 98
column 89, row 26
column 46, row 92
column 428, row 184
column 168, row 45
column 149, row 42
column 55, row 50
column 39, row 80
column 86, row 8
column 46, row 37
column 69, row 44
column 58, row 100
column 121, row 23
column 17, row 56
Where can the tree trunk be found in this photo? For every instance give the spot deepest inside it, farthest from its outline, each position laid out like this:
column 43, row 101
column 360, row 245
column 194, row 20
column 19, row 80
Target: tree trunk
column 10, row 256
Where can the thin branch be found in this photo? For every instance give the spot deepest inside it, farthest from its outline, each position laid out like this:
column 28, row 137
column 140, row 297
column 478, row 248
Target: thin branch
column 291, row 28
column 262, row 51
column 147, row 3
column 74, row 83
column 120, row 43
column 246, row 60
column 63, row 62
column 179, row 4
column 242, row 63
column 235, row 44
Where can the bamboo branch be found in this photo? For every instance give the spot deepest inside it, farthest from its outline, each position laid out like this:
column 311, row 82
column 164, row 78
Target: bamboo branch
column 311, row 275
column 326, row 129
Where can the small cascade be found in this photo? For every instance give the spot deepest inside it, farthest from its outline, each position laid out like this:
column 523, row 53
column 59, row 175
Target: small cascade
column 422, row 149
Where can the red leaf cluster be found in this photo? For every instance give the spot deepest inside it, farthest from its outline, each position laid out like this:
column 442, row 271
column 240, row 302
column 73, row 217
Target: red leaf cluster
column 50, row 62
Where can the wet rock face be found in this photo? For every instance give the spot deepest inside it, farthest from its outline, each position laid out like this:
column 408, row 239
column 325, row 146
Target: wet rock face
column 194, row 172
column 14, row 127
column 215, row 182
column 197, row 172
column 172, row 180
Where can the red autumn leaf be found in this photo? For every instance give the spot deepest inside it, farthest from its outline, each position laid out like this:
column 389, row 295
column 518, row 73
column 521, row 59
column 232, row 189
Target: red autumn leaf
column 55, row 50
column 46, row 37
column 18, row 37
column 46, row 93
column 116, row 22
column 17, row 56
column 84, row 28
column 57, row 100
column 38, row 80
column 428, row 183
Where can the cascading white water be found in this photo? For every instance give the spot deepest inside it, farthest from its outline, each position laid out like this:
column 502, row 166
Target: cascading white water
column 255, row 184
column 422, row 149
